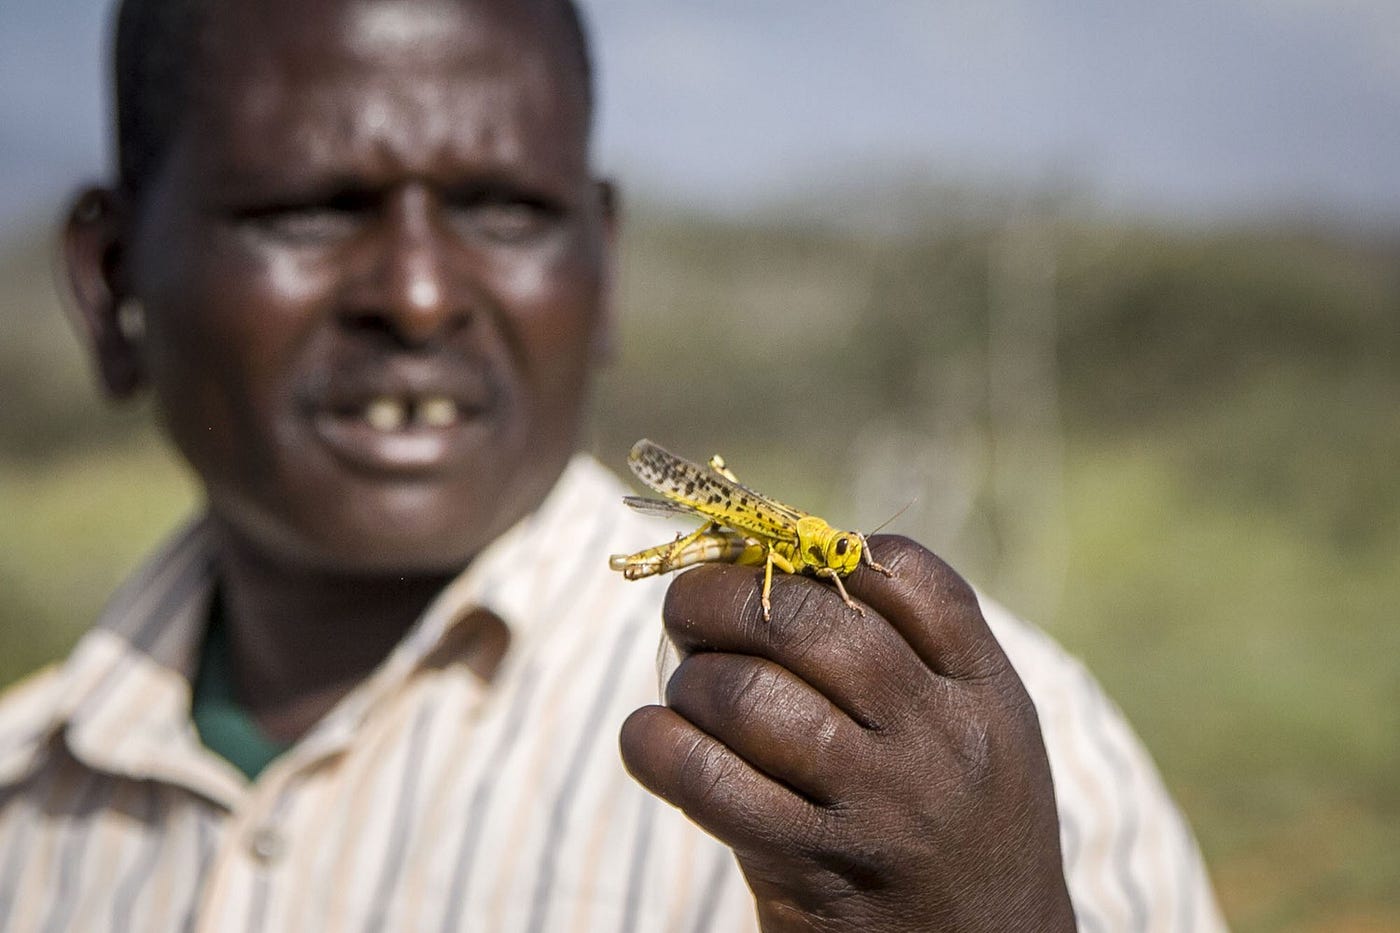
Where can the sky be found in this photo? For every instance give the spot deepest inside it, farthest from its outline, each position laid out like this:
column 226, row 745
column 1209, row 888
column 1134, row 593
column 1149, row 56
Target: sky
column 1190, row 109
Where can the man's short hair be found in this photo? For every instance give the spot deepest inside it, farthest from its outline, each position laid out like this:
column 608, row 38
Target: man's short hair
column 155, row 54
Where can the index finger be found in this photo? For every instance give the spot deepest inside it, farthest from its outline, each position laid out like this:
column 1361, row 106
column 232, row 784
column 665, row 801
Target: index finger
column 856, row 660
column 934, row 608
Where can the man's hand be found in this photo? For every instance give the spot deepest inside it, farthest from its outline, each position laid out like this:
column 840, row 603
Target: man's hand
column 875, row 772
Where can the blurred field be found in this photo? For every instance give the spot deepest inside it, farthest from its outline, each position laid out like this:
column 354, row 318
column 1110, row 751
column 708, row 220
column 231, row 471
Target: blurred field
column 1175, row 449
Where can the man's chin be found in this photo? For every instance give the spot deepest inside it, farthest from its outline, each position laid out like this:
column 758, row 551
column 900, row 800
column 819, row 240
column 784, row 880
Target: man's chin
column 359, row 541
column 336, row 522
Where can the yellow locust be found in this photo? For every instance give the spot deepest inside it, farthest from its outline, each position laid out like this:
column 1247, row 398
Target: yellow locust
column 741, row 526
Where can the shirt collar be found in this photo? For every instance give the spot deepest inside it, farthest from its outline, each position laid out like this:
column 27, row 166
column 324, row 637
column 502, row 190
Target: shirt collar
column 122, row 699
column 512, row 578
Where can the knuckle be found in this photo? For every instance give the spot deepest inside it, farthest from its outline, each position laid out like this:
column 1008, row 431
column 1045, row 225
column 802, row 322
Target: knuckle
column 922, row 567
column 974, row 748
column 1021, row 708
column 923, row 572
column 827, row 739
column 802, row 616
column 682, row 595
column 897, row 552
column 702, row 772
column 859, row 867
column 751, row 689
column 674, row 610
column 997, row 667
column 918, row 710
column 988, row 742
column 695, row 599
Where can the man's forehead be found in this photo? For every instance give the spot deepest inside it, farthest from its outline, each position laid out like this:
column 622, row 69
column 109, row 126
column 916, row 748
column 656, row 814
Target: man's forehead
column 374, row 33
column 363, row 33
column 392, row 127
column 332, row 74
column 375, row 30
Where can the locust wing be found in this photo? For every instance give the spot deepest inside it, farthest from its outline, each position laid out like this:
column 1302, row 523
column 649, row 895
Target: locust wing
column 664, row 507
column 701, row 491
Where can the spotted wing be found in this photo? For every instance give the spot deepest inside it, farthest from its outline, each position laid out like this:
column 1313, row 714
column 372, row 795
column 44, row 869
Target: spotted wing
column 664, row 507
column 699, row 490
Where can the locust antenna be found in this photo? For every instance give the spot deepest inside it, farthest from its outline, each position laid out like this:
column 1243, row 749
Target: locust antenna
column 865, row 540
column 883, row 525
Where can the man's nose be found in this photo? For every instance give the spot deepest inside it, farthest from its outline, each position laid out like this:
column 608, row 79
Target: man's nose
column 411, row 293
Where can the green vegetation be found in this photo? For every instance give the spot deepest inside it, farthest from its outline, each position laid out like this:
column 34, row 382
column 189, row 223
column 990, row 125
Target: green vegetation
column 1175, row 449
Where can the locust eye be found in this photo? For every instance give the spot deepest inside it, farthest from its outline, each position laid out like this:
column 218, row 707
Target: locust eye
column 841, row 545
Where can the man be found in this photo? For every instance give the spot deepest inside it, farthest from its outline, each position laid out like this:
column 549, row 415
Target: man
column 357, row 254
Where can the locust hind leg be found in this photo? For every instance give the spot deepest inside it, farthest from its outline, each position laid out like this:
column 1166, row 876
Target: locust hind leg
column 717, row 464
column 660, row 559
column 678, row 546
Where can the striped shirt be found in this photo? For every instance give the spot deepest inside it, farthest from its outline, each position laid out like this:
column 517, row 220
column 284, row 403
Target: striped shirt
column 429, row 799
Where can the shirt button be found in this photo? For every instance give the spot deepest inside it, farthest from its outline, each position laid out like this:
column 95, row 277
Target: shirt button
column 267, row 844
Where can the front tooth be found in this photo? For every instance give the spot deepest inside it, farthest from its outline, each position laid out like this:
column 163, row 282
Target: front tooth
column 386, row 414
column 436, row 412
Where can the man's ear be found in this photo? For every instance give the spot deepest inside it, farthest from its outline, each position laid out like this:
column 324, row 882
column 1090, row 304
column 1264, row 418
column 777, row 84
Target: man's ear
column 109, row 319
column 605, row 333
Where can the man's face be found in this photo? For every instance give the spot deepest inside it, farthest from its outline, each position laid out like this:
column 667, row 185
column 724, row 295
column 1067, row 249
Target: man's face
column 373, row 269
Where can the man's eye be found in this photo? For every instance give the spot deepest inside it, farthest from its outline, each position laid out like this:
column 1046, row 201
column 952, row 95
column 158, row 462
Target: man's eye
column 305, row 224
column 506, row 222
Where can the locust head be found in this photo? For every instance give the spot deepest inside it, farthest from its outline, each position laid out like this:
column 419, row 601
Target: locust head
column 843, row 552
column 824, row 546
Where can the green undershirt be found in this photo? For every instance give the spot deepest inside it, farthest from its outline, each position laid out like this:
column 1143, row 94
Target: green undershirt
column 225, row 726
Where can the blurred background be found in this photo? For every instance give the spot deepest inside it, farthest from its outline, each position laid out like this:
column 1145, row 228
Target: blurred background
column 1109, row 292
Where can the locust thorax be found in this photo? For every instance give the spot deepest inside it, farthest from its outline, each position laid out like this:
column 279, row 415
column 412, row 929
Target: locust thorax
column 824, row 546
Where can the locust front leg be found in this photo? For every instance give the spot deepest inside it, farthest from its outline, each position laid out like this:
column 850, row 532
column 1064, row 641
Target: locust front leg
column 868, row 561
column 834, row 577
column 783, row 564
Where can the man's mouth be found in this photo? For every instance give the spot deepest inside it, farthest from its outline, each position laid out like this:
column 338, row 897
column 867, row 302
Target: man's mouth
column 389, row 413
column 402, row 431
